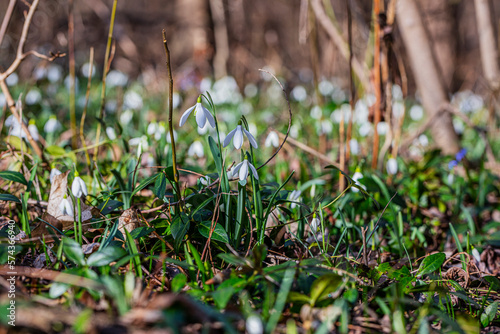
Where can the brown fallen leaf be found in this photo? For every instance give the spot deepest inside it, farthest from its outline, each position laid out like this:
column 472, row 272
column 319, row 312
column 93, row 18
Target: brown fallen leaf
column 128, row 221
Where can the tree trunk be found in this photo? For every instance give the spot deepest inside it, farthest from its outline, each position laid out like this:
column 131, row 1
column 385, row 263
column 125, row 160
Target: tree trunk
column 487, row 43
column 427, row 75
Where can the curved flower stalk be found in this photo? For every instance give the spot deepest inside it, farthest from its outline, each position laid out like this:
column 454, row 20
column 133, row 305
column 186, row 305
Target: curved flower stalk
column 202, row 115
column 237, row 136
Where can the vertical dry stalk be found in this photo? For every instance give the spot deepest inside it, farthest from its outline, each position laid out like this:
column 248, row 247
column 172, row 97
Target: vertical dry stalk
column 313, row 49
column 72, row 75
column 84, row 114
column 6, row 19
column 352, row 87
column 376, row 80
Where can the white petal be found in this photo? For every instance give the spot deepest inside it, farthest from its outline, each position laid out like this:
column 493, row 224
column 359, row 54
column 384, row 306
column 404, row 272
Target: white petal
column 209, row 116
column 228, row 138
column 244, row 170
column 254, row 171
column 75, row 188
column 201, row 119
column 185, row 116
column 235, row 169
column 238, row 138
column 83, row 186
column 251, row 139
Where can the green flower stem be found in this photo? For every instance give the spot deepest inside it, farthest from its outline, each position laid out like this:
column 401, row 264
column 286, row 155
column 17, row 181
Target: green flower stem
column 170, row 125
column 80, row 238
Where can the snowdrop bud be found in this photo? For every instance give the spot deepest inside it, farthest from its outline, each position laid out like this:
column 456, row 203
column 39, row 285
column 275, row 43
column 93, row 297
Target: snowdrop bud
column 205, row 180
column 316, row 112
column 66, row 207
column 53, row 173
column 357, row 175
column 33, row 129
column 78, row 188
column 272, row 139
column 392, row 166
column 196, row 148
column 111, row 133
column 52, row 125
column 254, row 325
column 139, row 150
column 315, row 224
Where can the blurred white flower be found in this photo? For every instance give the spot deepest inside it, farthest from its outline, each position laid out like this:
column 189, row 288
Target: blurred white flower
column 196, row 149
column 416, row 112
column 398, row 109
column 33, row 97
column 132, row 100
column 85, row 70
column 357, row 175
column 2, row 100
column 382, row 128
column 299, row 93
column 315, row 224
column 205, row 180
column 204, row 129
column 294, row 131
column 354, row 146
column 423, row 140
column 272, row 139
column 176, row 100
column 251, row 90
column 169, row 140
column 338, row 95
column 450, row 178
column 52, row 125
column 326, row 127
column 53, row 173
column 361, row 112
column 40, row 73
column 161, row 130
column 397, row 93
column 66, row 207
column 12, row 79
column 392, row 166
column 242, row 170
column 237, row 136
column 143, row 141
column 254, row 325
column 294, row 196
column 202, row 115
column 116, row 78
column 316, row 112
column 54, row 73
column 126, row 117
column 205, row 84
column 325, row 87
column 458, row 125
column 33, row 129
column 111, row 133
column 78, row 187
column 152, row 128
column 365, row 129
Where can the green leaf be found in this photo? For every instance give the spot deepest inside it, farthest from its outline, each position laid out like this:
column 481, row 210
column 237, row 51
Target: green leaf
column 145, row 183
column 219, row 234
column 141, row 231
column 431, row 263
column 13, row 176
column 105, row 256
column 73, row 251
column 323, row 286
column 133, row 250
column 179, row 229
column 216, row 154
column 109, row 206
column 178, row 282
column 489, row 314
column 160, row 186
column 494, row 282
column 57, row 289
column 233, row 259
column 9, row 198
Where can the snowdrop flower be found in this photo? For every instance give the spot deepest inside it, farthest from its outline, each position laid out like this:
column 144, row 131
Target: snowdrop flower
column 272, row 139
column 53, row 173
column 416, row 112
column 33, row 129
column 52, row 125
column 196, row 148
column 397, row 93
column 66, row 207
column 12, row 79
column 294, row 131
column 161, row 130
column 230, row 173
column 325, row 87
column 203, row 130
column 294, row 196
column 116, row 78
column 132, row 100
column 33, row 97
column 126, row 117
column 299, row 93
column 78, row 187
column 398, row 109
column 316, row 112
column 205, row 180
column 423, row 140
column 242, row 170
column 152, row 128
column 85, row 70
column 365, row 129
column 237, row 136
column 250, row 90
column 357, row 175
column 354, row 145
column 111, row 133
column 254, row 325
column 202, row 115
column 54, row 73
column 392, row 166
column 458, row 125
column 315, row 223
column 325, row 127
column 382, row 128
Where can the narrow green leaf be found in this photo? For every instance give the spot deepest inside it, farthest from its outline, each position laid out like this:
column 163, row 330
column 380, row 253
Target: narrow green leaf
column 13, row 176
column 9, row 198
column 323, row 286
column 144, row 183
column 179, row 229
column 161, row 186
column 216, row 154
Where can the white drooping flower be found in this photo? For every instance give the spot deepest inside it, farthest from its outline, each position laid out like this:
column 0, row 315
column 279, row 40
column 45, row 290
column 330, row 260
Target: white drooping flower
column 116, row 78
column 78, row 187
column 53, row 173
column 52, row 125
column 66, row 207
column 152, row 128
column 392, row 166
column 161, row 130
column 316, row 112
column 357, row 175
column 111, row 133
column 242, row 170
column 416, row 112
column 196, row 148
column 254, row 325
column 33, row 129
column 33, row 97
column 315, row 223
column 126, row 117
column 202, row 115
column 354, row 145
column 132, row 100
column 205, row 180
column 237, row 136
column 294, row 196
column 272, row 139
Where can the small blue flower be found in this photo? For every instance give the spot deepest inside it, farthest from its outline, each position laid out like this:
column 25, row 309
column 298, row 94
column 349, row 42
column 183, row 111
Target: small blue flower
column 461, row 154
column 452, row 164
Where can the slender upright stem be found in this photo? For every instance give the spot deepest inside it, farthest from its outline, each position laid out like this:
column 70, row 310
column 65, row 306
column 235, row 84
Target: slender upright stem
column 170, row 112
column 104, row 74
column 80, row 233
column 351, row 83
column 376, row 79
column 72, row 76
